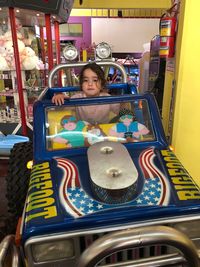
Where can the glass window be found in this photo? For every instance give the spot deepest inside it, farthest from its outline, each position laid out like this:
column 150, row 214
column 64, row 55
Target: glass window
column 82, row 126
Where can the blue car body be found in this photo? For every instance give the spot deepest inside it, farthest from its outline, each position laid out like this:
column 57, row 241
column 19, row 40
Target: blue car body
column 62, row 204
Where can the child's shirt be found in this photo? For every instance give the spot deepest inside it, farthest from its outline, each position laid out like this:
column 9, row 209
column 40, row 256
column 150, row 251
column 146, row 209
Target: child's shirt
column 96, row 114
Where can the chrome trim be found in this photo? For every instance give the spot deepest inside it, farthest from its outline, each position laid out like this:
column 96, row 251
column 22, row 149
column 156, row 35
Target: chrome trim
column 6, row 244
column 64, row 235
column 133, row 238
column 164, row 260
column 42, row 93
column 81, row 64
column 77, row 233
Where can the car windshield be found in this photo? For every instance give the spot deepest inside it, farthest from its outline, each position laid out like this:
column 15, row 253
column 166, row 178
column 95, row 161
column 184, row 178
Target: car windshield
column 69, row 127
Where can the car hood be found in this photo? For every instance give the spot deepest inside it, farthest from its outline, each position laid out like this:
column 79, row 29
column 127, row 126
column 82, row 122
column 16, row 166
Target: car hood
column 63, row 197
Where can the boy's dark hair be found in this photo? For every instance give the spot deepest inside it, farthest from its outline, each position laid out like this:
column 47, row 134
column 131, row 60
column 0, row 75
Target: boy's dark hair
column 96, row 69
column 126, row 111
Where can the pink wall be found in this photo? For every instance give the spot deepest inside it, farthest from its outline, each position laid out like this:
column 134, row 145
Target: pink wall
column 86, row 38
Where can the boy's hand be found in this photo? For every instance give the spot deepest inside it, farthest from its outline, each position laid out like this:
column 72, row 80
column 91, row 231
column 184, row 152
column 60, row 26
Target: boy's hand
column 58, row 99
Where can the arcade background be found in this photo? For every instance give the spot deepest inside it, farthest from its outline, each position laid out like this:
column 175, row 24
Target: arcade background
column 182, row 89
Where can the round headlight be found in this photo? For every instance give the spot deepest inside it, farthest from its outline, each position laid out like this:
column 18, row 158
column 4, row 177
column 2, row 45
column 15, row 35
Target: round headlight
column 70, row 52
column 103, row 50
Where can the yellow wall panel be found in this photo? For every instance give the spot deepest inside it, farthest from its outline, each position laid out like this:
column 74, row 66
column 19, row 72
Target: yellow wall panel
column 126, row 13
column 123, row 4
column 186, row 128
column 81, row 12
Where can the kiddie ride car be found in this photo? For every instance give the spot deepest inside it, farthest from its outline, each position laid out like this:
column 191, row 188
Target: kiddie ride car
column 110, row 193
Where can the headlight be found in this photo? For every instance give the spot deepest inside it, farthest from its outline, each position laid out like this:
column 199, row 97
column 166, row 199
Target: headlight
column 70, row 52
column 53, row 250
column 103, row 51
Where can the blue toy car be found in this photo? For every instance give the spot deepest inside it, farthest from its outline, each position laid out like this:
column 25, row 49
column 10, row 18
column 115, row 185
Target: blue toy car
column 7, row 142
column 102, row 194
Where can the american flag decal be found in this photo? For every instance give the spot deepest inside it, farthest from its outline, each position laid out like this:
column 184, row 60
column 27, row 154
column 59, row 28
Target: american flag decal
column 156, row 186
column 78, row 203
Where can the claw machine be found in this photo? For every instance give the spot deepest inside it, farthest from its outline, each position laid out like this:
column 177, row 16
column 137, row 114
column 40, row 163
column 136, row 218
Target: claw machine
column 26, row 57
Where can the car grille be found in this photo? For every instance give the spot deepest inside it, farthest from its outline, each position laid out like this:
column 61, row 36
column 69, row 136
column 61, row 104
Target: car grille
column 125, row 255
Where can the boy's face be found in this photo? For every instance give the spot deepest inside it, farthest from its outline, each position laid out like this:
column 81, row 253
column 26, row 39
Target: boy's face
column 126, row 119
column 91, row 85
column 69, row 124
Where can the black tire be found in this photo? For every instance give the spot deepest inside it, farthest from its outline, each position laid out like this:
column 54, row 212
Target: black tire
column 7, row 225
column 17, row 179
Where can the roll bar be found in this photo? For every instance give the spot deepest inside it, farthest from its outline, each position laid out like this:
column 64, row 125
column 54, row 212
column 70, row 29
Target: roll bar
column 81, row 64
column 144, row 236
